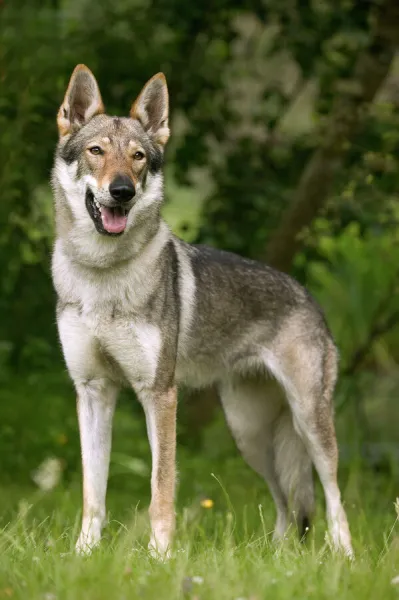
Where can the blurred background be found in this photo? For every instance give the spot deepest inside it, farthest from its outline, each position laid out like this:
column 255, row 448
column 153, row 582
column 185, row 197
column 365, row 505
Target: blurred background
column 284, row 148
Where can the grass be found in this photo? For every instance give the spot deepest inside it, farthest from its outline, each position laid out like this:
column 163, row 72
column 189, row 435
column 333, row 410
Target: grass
column 222, row 552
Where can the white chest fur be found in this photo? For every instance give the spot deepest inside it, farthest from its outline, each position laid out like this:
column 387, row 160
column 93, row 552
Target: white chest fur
column 102, row 317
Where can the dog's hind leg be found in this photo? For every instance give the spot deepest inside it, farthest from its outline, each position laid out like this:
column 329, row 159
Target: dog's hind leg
column 256, row 413
column 307, row 371
column 293, row 468
column 95, row 403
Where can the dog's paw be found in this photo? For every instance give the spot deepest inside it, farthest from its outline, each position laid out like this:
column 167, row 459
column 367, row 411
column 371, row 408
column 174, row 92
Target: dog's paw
column 90, row 535
column 160, row 552
column 86, row 543
column 339, row 540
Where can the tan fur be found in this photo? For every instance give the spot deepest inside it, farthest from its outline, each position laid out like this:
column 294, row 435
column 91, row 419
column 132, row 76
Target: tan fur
column 114, row 162
column 163, row 478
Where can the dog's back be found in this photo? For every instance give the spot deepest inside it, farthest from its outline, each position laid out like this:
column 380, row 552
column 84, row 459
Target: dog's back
column 238, row 309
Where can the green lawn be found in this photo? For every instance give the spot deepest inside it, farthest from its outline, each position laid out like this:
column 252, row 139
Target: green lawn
column 222, row 552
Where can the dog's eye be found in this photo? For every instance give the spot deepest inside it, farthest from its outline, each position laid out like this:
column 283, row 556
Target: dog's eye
column 138, row 156
column 96, row 150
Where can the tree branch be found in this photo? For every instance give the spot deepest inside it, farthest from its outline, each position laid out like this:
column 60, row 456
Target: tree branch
column 344, row 122
column 377, row 331
column 357, row 360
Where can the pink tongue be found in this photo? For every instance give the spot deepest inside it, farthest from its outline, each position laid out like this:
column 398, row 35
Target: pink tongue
column 114, row 221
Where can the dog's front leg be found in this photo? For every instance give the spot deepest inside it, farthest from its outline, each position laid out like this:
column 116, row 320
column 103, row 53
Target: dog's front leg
column 160, row 411
column 95, row 405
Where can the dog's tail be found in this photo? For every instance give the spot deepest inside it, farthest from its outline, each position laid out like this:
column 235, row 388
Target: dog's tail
column 294, row 471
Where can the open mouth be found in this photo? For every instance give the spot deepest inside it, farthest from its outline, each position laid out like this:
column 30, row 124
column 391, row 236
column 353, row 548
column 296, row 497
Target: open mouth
column 109, row 220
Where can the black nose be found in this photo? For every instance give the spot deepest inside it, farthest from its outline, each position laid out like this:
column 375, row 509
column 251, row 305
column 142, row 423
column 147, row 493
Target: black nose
column 122, row 188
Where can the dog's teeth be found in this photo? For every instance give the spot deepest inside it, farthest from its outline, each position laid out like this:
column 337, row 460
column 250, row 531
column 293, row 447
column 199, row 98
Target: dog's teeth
column 97, row 204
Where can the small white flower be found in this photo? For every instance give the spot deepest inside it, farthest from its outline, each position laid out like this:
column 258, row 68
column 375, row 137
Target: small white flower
column 395, row 580
column 197, row 579
column 48, row 474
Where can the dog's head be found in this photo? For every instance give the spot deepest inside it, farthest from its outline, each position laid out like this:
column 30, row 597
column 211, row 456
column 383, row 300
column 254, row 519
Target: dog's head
column 106, row 165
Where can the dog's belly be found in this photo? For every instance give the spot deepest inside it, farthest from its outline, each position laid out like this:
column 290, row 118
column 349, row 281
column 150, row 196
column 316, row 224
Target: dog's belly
column 96, row 346
column 196, row 372
column 202, row 365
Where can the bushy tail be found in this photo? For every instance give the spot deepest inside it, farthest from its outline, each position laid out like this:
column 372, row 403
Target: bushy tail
column 294, row 471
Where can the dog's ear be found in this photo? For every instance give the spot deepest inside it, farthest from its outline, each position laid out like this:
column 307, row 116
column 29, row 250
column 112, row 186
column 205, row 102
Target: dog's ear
column 152, row 109
column 82, row 101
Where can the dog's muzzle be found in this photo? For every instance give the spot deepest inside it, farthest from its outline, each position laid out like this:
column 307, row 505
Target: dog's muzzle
column 109, row 219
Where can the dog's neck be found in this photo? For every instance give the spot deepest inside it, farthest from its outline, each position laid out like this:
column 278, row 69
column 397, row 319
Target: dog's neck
column 126, row 282
column 99, row 251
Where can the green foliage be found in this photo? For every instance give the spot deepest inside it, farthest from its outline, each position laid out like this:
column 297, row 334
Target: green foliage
column 29, row 40
column 357, row 284
column 250, row 83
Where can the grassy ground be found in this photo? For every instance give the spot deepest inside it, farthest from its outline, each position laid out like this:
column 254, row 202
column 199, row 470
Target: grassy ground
column 222, row 552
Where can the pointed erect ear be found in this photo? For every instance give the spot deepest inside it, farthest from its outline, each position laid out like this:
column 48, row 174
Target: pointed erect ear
column 152, row 109
column 82, row 101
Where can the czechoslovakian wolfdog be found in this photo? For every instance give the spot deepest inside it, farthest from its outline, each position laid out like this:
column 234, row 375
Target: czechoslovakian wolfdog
column 139, row 307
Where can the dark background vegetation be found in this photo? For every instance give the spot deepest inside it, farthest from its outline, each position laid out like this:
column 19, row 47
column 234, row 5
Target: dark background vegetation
column 284, row 148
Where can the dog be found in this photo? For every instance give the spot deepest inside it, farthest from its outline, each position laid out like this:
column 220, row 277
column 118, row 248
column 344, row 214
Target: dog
column 139, row 307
